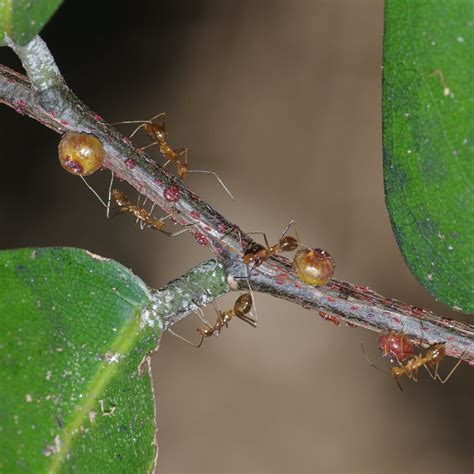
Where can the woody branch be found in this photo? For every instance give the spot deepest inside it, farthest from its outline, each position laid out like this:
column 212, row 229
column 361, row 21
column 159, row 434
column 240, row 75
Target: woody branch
column 45, row 96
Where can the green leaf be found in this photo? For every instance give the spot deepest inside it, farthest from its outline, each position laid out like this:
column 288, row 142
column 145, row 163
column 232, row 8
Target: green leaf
column 428, row 137
column 71, row 343
column 24, row 19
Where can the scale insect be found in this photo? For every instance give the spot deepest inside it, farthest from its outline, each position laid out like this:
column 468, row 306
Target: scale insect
column 432, row 358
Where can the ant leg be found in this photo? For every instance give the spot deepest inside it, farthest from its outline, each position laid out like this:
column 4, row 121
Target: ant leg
column 248, row 320
column 93, row 191
column 148, row 146
column 254, row 318
column 217, row 177
column 141, row 122
column 434, row 375
column 287, row 228
column 110, row 194
column 200, row 314
column 187, row 341
column 452, row 370
column 258, row 233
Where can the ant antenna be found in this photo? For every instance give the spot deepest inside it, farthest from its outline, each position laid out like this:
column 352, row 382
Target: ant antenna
column 378, row 368
column 226, row 189
column 187, row 341
column 141, row 122
column 436, row 376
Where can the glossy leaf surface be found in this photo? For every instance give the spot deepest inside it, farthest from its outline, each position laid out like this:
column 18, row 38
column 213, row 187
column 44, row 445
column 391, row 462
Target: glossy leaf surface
column 24, row 19
column 428, row 137
column 71, row 342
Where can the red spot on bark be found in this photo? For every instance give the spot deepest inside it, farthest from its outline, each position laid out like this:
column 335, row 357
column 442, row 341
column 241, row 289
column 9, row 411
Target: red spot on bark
column 196, row 215
column 53, row 114
column 172, row 194
column 417, row 311
column 158, row 181
column 97, row 118
column 64, row 122
column 130, row 164
column 126, row 140
column 20, row 105
column 397, row 320
column 201, row 239
column 207, row 228
column 221, row 228
column 330, row 299
column 281, row 278
column 354, row 308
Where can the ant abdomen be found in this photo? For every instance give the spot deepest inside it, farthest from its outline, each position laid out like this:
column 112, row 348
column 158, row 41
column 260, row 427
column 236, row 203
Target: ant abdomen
column 288, row 244
column 243, row 305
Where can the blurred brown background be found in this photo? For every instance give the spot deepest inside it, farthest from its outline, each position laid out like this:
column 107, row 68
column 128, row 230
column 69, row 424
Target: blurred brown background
column 283, row 100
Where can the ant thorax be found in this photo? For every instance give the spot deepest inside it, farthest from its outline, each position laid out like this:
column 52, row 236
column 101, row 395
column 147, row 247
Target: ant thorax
column 254, row 253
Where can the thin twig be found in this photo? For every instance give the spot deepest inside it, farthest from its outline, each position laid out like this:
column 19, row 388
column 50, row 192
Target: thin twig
column 47, row 98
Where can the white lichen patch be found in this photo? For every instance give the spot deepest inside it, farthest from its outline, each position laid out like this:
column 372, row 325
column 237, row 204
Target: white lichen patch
column 150, row 317
column 112, row 358
column 48, row 375
column 28, row 398
column 53, row 448
column 92, row 416
column 232, row 282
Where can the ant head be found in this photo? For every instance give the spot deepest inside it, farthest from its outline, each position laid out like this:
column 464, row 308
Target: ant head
column 182, row 169
column 119, row 198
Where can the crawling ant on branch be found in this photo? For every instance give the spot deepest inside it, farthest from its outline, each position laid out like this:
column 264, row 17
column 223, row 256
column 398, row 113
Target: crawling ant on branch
column 399, row 347
column 122, row 202
column 158, row 134
column 313, row 266
column 242, row 308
